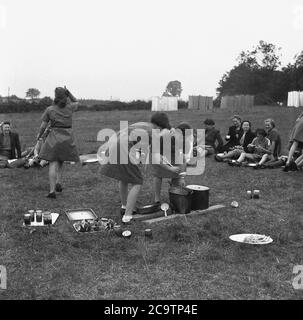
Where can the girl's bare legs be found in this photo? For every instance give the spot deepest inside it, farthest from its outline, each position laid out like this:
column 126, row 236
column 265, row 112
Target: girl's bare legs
column 264, row 158
column 292, row 150
column 242, row 157
column 52, row 175
column 230, row 154
column 123, row 188
column 299, row 161
column 59, row 172
column 132, row 200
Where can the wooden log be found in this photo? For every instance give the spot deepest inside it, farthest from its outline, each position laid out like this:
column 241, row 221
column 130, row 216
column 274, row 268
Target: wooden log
column 192, row 213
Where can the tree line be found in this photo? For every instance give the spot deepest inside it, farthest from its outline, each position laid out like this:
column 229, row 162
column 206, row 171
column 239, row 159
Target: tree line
column 259, row 73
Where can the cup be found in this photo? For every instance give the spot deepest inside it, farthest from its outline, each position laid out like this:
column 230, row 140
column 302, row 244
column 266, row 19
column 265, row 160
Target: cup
column 27, row 219
column 256, row 194
column 32, row 213
column 148, row 233
column 227, row 137
column 118, row 230
column 39, row 215
column 249, row 194
column 47, row 218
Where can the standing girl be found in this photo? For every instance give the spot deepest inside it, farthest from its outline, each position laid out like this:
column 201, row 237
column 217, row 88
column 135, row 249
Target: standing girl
column 59, row 145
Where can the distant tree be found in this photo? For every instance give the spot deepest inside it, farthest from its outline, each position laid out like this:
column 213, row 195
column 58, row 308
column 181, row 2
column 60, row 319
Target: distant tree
column 32, row 93
column 264, row 55
column 173, row 89
column 257, row 74
column 299, row 60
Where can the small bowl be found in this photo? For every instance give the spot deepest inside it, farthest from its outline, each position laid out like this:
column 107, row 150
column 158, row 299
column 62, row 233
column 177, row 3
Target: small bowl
column 126, row 234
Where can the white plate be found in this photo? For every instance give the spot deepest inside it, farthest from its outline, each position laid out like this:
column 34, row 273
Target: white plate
column 90, row 161
column 220, row 154
column 55, row 216
column 259, row 238
column 197, row 187
column 89, row 158
column 252, row 165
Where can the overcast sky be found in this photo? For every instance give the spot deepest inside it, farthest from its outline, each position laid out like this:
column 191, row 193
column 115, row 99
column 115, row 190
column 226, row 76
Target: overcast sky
column 131, row 49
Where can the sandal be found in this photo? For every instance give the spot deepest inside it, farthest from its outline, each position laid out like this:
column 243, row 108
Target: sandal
column 127, row 219
column 51, row 195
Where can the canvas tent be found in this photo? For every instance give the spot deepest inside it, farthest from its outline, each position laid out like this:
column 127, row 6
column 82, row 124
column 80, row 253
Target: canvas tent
column 164, row 104
column 200, row 102
column 295, row 99
column 237, row 102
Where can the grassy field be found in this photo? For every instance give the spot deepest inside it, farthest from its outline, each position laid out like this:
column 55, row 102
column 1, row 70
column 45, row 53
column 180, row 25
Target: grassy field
column 189, row 258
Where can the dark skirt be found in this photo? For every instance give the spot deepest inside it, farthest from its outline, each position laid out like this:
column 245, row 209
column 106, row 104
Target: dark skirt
column 129, row 173
column 59, row 146
column 297, row 131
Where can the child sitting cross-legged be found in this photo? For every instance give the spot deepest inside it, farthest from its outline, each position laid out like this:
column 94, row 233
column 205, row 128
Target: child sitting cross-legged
column 257, row 150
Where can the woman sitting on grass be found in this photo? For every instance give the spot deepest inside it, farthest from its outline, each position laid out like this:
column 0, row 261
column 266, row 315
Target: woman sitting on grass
column 213, row 139
column 234, row 134
column 246, row 138
column 257, row 150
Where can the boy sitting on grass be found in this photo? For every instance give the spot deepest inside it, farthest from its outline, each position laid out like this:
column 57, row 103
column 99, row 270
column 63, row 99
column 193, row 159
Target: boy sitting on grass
column 258, row 149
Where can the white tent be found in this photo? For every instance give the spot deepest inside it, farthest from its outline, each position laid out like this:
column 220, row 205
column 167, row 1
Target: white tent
column 164, row 104
column 295, row 99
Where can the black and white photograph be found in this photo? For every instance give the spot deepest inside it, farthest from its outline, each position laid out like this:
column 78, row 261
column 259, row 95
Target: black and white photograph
column 151, row 152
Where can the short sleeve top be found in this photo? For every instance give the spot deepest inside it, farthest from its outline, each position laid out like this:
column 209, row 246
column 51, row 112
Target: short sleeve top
column 274, row 136
column 59, row 117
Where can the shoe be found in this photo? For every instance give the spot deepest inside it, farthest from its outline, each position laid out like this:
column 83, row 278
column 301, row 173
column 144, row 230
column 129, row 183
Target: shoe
column 257, row 167
column 127, row 219
column 51, row 195
column 58, row 187
column 286, row 168
column 238, row 164
column 231, row 162
column 218, row 158
column 293, row 166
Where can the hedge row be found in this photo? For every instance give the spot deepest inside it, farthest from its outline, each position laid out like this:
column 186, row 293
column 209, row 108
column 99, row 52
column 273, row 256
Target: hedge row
column 24, row 106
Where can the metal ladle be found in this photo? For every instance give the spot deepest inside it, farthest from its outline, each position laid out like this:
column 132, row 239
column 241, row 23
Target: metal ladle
column 165, row 207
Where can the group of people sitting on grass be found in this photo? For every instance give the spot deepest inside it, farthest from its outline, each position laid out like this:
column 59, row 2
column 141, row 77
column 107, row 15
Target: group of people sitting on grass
column 242, row 146
column 262, row 147
column 11, row 155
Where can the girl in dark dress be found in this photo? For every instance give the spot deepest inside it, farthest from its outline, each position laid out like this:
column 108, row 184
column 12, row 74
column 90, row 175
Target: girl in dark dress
column 59, row 145
column 246, row 138
column 129, row 173
column 233, row 135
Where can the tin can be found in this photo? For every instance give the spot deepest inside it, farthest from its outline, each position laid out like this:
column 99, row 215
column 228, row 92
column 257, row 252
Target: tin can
column 126, row 234
column 39, row 215
column 148, row 233
column 27, row 219
column 118, row 230
column 249, row 194
column 32, row 213
column 47, row 218
column 256, row 194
